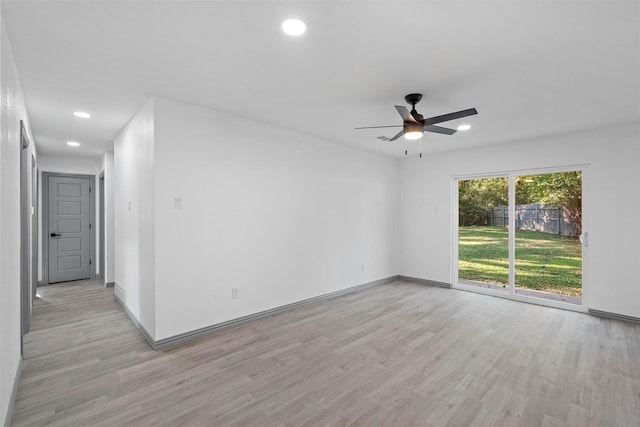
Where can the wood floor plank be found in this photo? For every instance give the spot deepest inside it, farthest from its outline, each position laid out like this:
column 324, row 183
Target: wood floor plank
column 397, row 354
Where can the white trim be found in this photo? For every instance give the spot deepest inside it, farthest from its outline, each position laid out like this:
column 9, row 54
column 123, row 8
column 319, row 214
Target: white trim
column 520, row 298
column 45, row 221
column 586, row 220
column 147, row 336
column 518, row 172
column 424, row 281
column 615, row 316
column 511, row 232
column 185, row 337
column 453, row 237
column 12, row 397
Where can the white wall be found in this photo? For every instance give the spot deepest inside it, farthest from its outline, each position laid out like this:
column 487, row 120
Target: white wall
column 70, row 164
column 611, row 197
column 134, row 217
column 107, row 167
column 280, row 215
column 12, row 110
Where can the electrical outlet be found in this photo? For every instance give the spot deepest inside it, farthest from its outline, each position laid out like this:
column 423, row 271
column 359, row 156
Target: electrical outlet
column 177, row 202
column 235, row 293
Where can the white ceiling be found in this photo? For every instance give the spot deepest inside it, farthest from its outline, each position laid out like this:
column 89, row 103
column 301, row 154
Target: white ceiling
column 530, row 67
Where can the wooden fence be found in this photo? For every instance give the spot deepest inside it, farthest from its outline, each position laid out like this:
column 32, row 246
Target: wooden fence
column 546, row 219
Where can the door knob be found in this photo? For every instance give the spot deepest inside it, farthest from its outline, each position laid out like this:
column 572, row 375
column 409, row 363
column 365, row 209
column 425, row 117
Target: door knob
column 56, row 235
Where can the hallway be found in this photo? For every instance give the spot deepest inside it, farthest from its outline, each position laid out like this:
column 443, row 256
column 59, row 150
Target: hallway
column 80, row 338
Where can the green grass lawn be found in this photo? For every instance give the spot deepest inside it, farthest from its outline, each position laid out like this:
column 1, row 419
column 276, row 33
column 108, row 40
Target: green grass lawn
column 544, row 262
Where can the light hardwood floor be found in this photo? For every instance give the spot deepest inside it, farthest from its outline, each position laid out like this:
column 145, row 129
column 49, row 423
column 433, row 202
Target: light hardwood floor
column 397, row 354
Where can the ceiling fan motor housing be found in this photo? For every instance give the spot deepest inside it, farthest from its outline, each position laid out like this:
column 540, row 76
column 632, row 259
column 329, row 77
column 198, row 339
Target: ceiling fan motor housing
column 413, row 98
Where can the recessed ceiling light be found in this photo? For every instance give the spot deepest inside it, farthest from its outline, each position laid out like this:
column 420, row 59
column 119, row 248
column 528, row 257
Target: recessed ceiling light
column 464, row 127
column 82, row 114
column 73, row 143
column 294, row 27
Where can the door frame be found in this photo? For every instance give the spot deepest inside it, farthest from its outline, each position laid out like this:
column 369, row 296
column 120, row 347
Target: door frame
column 35, row 181
column 101, row 228
column 25, row 235
column 510, row 291
column 45, row 221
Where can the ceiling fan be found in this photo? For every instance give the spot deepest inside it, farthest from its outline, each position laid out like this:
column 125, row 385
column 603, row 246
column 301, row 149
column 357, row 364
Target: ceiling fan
column 414, row 124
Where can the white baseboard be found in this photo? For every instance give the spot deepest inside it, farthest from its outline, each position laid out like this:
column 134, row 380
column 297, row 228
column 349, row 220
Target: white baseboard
column 179, row 339
column 14, row 392
column 425, row 281
column 615, row 316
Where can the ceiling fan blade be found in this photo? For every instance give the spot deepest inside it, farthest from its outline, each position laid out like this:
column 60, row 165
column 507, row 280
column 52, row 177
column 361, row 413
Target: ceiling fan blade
column 439, row 129
column 377, row 127
column 398, row 135
column 450, row 116
column 405, row 114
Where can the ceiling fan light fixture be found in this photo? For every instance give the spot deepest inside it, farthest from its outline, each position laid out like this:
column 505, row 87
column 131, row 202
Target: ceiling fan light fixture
column 413, row 135
column 413, row 131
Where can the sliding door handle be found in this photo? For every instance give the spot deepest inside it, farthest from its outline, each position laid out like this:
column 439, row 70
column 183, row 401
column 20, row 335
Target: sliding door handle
column 584, row 239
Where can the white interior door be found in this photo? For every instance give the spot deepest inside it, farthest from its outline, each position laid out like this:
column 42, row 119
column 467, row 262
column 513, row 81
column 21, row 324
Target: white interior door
column 69, row 229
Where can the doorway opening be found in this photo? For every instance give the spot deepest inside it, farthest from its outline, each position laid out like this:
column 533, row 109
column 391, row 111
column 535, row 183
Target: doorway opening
column 521, row 235
column 28, row 234
column 67, row 224
column 101, row 234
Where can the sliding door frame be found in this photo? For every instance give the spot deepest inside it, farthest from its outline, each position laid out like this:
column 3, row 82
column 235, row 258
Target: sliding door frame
column 510, row 290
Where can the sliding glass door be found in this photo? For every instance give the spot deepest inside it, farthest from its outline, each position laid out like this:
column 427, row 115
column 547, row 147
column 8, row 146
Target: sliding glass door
column 521, row 236
column 548, row 223
column 483, row 246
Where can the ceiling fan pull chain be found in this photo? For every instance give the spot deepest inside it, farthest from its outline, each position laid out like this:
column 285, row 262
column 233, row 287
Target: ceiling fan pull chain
column 420, row 147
